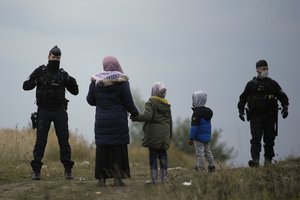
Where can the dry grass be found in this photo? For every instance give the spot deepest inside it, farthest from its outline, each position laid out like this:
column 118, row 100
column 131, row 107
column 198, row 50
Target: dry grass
column 279, row 181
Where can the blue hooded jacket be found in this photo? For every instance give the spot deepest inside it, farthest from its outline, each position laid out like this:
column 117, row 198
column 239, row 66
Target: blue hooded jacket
column 201, row 119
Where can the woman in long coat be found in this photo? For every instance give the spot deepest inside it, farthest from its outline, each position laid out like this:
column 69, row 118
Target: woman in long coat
column 110, row 92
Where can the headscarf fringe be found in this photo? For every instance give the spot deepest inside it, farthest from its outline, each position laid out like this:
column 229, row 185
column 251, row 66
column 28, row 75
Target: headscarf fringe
column 107, row 78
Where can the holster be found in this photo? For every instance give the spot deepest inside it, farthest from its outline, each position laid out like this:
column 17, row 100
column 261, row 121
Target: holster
column 66, row 101
column 34, row 119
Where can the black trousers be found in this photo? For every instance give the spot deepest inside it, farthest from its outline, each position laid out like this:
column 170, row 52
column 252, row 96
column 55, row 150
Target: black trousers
column 60, row 119
column 263, row 128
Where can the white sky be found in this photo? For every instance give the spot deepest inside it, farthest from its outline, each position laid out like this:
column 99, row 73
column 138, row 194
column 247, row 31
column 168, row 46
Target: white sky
column 189, row 45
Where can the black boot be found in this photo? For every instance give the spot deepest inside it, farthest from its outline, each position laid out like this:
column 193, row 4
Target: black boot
column 36, row 176
column 211, row 169
column 268, row 162
column 199, row 169
column 101, row 182
column 253, row 163
column 118, row 182
column 36, row 170
column 68, row 174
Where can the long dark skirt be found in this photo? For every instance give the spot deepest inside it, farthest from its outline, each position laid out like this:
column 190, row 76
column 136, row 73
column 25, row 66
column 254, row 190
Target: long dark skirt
column 112, row 162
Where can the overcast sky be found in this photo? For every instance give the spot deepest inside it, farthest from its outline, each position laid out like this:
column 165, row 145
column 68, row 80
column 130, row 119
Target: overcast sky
column 189, row 45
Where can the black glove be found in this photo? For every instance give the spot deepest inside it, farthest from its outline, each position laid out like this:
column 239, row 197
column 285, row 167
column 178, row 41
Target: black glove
column 284, row 112
column 241, row 116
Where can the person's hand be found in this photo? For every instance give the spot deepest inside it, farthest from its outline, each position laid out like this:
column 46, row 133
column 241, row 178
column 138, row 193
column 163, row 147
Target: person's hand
column 241, row 115
column 284, row 112
column 190, row 142
column 133, row 118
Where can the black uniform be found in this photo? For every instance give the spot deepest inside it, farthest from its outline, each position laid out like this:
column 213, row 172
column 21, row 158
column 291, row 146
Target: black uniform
column 261, row 96
column 50, row 82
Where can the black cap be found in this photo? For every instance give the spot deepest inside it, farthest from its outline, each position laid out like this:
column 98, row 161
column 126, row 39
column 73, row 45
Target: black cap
column 55, row 51
column 261, row 63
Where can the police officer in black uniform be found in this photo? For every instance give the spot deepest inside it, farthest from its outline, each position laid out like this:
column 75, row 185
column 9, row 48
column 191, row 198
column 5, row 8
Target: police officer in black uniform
column 50, row 82
column 261, row 96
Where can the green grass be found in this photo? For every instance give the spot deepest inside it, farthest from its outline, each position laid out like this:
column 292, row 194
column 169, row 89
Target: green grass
column 279, row 181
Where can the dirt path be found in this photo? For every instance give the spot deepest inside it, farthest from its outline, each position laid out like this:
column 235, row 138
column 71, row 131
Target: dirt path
column 75, row 189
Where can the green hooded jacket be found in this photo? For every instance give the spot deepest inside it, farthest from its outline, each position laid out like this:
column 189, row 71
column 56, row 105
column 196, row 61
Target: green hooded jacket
column 158, row 123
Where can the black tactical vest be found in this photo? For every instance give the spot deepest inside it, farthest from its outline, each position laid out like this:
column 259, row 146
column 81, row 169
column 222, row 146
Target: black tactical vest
column 51, row 88
column 262, row 97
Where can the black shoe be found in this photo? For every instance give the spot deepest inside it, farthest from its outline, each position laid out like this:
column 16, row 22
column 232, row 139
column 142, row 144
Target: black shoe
column 211, row 169
column 101, row 182
column 253, row 163
column 118, row 182
column 68, row 174
column 36, row 176
column 199, row 168
column 268, row 162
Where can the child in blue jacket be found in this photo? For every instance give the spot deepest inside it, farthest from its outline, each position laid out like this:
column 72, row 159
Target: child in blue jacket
column 200, row 132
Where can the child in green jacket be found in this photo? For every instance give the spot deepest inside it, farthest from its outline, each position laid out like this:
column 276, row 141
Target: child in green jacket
column 157, row 129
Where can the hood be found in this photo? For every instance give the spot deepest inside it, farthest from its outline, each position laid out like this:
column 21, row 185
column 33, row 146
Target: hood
column 159, row 89
column 199, row 99
column 161, row 104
